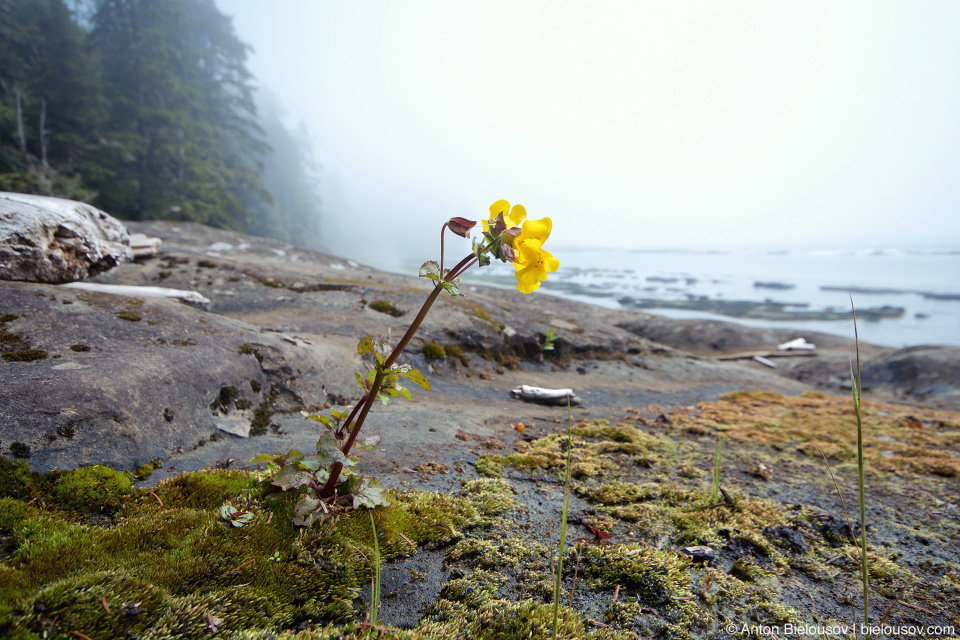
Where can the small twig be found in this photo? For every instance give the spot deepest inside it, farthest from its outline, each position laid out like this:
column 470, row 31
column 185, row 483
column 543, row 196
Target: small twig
column 103, row 601
column 236, row 568
column 79, row 635
column 576, row 573
column 616, row 594
column 889, row 611
column 913, row 606
column 157, row 497
column 597, row 624
column 407, row 540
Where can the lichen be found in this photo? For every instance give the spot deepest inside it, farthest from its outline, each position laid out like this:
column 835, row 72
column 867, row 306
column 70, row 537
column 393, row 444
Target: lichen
column 384, row 306
column 434, row 351
column 25, row 355
column 261, row 418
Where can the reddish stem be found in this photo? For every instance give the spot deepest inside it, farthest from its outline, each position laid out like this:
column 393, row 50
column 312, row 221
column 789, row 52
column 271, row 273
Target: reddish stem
column 366, row 403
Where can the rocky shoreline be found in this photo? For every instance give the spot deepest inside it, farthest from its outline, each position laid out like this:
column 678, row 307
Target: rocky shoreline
column 127, row 380
column 157, row 387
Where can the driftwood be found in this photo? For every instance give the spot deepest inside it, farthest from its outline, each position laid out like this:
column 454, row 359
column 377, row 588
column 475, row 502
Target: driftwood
column 555, row 397
column 144, row 246
column 144, row 292
column 750, row 355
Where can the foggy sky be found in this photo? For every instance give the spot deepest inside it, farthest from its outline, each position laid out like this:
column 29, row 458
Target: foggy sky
column 631, row 124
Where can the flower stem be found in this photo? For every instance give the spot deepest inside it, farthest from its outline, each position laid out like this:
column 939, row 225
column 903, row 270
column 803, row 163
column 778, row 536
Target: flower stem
column 367, row 401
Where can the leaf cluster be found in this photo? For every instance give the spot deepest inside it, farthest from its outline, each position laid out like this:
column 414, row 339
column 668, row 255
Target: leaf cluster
column 430, row 269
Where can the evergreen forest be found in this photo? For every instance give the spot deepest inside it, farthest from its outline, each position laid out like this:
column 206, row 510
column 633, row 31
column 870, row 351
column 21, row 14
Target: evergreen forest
column 146, row 109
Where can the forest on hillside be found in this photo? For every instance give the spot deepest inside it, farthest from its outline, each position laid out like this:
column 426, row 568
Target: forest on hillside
column 146, row 109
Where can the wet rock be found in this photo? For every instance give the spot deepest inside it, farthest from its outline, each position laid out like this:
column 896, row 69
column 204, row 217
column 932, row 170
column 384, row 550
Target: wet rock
column 56, row 241
column 928, row 373
column 788, row 538
column 835, row 530
column 699, row 554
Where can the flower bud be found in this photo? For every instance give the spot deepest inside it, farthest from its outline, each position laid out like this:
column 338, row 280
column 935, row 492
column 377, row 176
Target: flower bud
column 461, row 226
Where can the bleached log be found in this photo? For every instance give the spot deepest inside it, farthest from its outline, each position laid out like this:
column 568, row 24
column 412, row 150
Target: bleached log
column 797, row 343
column 545, row 396
column 140, row 292
column 144, row 246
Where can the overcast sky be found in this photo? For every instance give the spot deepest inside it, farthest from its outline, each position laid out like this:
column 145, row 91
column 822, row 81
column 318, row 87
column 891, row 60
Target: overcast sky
column 631, row 124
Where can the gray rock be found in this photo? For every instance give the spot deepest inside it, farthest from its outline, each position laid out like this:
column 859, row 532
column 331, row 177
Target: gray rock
column 110, row 389
column 54, row 240
column 699, row 554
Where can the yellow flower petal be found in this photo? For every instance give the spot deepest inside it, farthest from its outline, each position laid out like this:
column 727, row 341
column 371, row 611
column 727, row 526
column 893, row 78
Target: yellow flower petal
column 539, row 229
column 517, row 215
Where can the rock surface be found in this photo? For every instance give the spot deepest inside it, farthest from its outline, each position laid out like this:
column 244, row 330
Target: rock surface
column 56, row 241
column 126, row 379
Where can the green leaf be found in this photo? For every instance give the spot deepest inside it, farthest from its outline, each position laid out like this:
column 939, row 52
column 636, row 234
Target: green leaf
column 291, row 477
column 311, row 465
column 453, row 287
column 483, row 259
column 328, row 450
column 324, row 420
column 430, row 269
column 369, row 493
column 367, row 443
column 307, row 510
column 414, row 376
column 365, row 345
column 226, row 512
column 263, row 457
column 384, row 398
column 360, row 381
column 405, row 393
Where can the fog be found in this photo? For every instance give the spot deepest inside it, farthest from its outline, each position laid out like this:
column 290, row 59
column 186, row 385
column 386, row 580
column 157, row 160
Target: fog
column 633, row 124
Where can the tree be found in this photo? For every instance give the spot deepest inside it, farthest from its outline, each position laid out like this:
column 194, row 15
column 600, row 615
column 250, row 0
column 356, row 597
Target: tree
column 182, row 115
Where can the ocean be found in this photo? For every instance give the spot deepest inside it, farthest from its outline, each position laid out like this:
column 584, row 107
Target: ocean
column 903, row 297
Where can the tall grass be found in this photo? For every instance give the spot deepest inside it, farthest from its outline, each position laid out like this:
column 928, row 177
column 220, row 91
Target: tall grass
column 375, row 585
column 563, row 521
column 863, row 508
column 715, row 496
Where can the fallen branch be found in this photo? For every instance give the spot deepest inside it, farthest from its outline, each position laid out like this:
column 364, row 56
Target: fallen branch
column 145, row 292
column 556, row 397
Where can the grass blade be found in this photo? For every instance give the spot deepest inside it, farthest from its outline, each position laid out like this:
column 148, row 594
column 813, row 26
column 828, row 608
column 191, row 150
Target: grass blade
column 375, row 587
column 863, row 509
column 563, row 520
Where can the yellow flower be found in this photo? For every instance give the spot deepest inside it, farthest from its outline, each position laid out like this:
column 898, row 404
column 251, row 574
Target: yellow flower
column 531, row 261
column 511, row 217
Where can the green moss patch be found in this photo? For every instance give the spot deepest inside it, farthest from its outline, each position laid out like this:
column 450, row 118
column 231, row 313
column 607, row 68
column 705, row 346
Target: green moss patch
column 168, row 565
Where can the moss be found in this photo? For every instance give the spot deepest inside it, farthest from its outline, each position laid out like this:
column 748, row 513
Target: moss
column 144, row 471
column 130, row 316
column 226, row 395
column 491, row 496
column 261, row 418
column 25, row 355
column 242, row 404
column 20, row 450
column 79, row 348
column 90, row 489
column 8, row 317
column 434, row 351
column 16, row 481
column 453, row 351
column 255, row 386
column 657, row 576
column 246, row 350
column 383, row 306
column 206, row 264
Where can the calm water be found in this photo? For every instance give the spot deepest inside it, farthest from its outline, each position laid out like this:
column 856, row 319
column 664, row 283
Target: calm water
column 604, row 277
